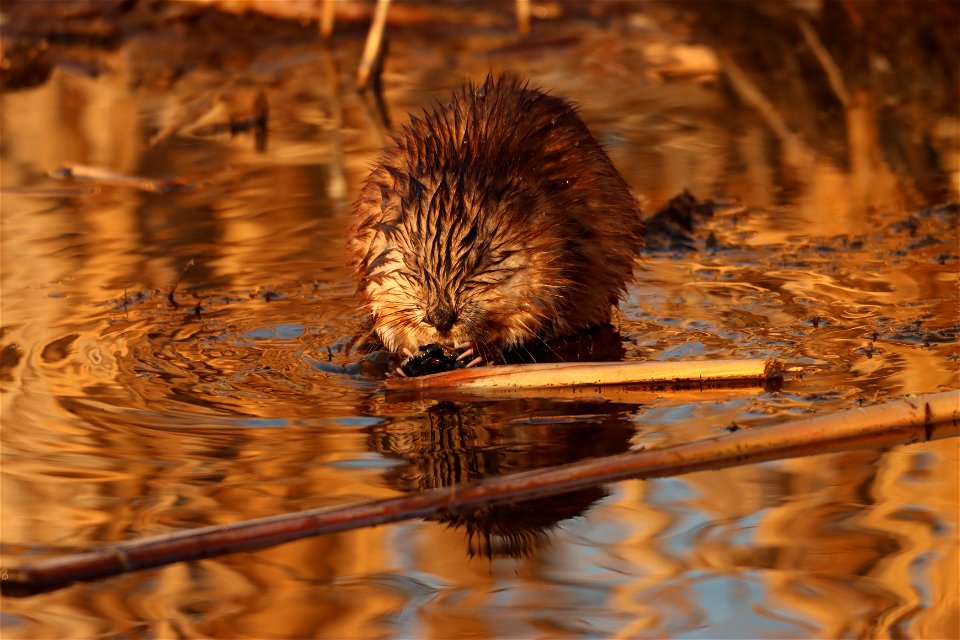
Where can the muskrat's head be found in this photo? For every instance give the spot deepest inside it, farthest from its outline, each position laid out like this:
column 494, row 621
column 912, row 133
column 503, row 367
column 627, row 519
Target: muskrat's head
column 453, row 260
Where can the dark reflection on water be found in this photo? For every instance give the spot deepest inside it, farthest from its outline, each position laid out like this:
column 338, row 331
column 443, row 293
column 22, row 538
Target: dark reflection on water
column 125, row 415
column 455, row 443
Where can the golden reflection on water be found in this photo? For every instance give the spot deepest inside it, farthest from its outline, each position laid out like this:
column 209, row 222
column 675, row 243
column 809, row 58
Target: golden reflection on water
column 124, row 416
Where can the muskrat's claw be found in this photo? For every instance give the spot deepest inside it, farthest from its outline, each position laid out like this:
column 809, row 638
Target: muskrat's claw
column 468, row 350
column 407, row 354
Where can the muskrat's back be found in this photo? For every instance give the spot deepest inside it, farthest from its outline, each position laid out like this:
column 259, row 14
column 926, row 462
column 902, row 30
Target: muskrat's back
column 494, row 220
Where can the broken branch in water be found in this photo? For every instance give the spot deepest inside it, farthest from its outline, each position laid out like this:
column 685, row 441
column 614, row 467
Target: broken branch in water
column 672, row 375
column 915, row 419
column 100, row 175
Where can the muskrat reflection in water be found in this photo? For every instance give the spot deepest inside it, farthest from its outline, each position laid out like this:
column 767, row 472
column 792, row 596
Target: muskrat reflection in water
column 455, row 443
column 492, row 222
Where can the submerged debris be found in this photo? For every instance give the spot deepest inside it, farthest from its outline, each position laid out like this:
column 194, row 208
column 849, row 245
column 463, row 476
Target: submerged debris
column 188, row 118
column 671, row 227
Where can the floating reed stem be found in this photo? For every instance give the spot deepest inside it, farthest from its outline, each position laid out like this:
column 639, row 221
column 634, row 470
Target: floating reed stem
column 685, row 375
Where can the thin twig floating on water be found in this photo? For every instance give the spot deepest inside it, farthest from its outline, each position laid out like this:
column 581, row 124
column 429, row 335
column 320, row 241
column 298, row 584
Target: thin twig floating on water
column 101, row 175
column 170, row 298
column 928, row 417
column 684, row 375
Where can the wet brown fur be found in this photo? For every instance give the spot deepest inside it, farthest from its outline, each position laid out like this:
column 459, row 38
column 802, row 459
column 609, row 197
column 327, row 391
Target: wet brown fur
column 495, row 219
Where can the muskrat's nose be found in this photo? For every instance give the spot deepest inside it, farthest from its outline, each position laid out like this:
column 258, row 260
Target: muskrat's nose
column 442, row 317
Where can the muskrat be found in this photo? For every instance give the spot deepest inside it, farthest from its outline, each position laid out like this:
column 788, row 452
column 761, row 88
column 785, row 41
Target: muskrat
column 491, row 222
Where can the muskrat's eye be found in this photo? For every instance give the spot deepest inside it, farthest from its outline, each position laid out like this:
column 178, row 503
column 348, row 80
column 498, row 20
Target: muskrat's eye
column 494, row 275
column 501, row 257
column 504, row 263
